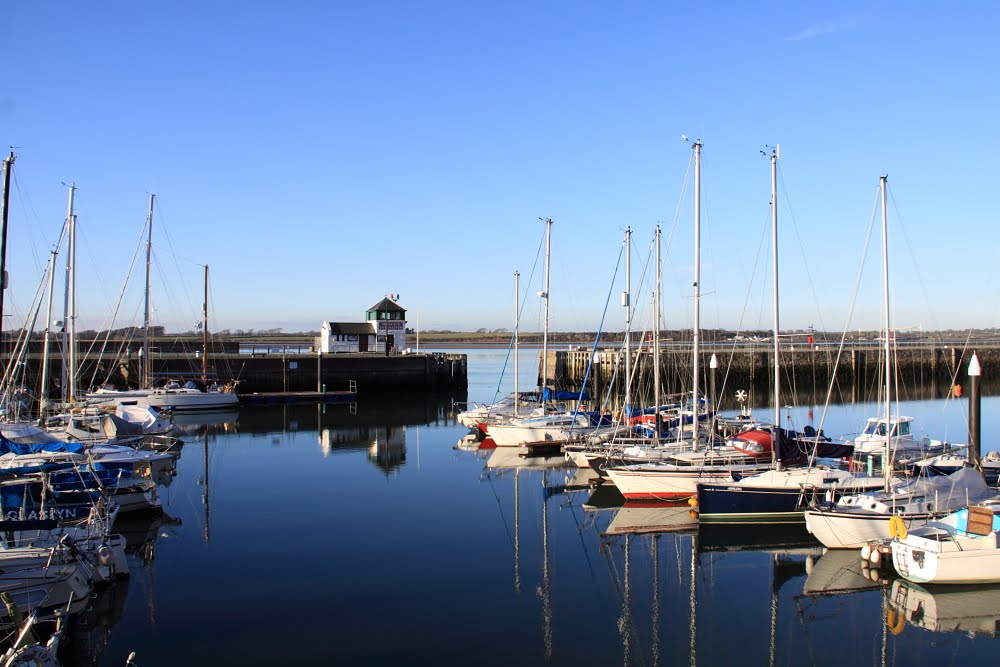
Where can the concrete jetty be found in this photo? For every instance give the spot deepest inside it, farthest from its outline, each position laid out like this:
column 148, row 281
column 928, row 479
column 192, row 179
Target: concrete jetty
column 289, row 364
column 926, row 370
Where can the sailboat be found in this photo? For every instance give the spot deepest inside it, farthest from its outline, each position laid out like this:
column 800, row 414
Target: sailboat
column 858, row 519
column 173, row 395
column 675, row 469
column 480, row 416
column 551, row 429
column 779, row 494
column 641, row 436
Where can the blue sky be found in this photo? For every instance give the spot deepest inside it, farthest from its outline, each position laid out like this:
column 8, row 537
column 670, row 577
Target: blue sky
column 320, row 155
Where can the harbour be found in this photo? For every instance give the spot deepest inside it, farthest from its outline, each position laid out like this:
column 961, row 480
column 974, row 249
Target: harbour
column 389, row 507
column 713, row 423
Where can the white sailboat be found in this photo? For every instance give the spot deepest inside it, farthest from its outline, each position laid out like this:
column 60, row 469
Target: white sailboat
column 778, row 495
column 857, row 519
column 173, row 395
column 680, row 467
column 547, row 428
column 512, row 405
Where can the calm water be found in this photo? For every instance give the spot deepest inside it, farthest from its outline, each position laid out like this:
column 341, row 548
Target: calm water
column 304, row 535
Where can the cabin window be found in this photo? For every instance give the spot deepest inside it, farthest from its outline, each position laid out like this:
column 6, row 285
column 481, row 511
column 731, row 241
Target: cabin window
column 904, row 428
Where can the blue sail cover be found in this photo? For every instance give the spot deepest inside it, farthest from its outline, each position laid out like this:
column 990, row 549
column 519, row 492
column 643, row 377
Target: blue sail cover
column 562, row 395
column 8, row 446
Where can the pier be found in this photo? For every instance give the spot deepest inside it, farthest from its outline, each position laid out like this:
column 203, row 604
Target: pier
column 927, row 370
column 285, row 365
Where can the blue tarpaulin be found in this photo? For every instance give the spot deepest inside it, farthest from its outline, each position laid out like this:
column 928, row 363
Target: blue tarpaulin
column 11, row 447
column 562, row 395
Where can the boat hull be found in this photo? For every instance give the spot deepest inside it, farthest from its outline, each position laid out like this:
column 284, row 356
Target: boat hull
column 169, row 399
column 728, row 503
column 852, row 530
column 667, row 483
column 948, row 567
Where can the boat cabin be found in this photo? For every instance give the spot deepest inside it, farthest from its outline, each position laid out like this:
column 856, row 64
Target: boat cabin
column 899, row 427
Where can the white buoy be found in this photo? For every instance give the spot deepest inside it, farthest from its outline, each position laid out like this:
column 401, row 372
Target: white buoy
column 875, row 557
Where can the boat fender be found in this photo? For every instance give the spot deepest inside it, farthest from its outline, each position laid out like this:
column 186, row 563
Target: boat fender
column 693, row 502
column 897, row 528
column 895, row 621
column 875, row 557
column 104, row 554
column 866, row 551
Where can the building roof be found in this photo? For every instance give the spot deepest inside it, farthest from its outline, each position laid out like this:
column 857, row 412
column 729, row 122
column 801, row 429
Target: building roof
column 350, row 328
column 387, row 305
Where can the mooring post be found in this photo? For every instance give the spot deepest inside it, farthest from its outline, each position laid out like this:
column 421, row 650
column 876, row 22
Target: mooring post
column 975, row 424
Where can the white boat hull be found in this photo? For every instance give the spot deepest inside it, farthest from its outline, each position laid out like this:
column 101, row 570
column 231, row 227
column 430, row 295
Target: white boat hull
column 851, row 530
column 951, row 551
column 968, row 566
column 517, row 435
column 168, row 399
column 665, row 482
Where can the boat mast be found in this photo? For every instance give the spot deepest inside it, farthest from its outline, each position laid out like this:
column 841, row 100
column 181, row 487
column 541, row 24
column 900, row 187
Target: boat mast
column 69, row 306
column 43, row 390
column 545, row 296
column 697, row 288
column 517, row 325
column 776, row 436
column 627, row 302
column 204, row 334
column 887, row 462
column 146, row 366
column 8, row 165
column 656, row 346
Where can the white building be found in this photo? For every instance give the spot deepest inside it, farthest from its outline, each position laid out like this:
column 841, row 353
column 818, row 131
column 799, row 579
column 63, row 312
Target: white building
column 385, row 325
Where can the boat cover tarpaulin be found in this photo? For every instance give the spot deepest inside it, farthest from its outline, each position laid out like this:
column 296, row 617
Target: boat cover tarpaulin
column 10, row 447
column 963, row 487
column 794, row 447
column 563, row 395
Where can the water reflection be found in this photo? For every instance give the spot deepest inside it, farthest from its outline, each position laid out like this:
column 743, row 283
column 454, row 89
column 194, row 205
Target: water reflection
column 88, row 632
column 837, row 572
column 197, row 423
column 653, row 518
column 970, row 609
column 563, row 569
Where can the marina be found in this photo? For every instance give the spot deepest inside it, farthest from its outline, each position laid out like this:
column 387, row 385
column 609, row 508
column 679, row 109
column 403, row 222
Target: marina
column 680, row 446
column 612, row 512
column 389, row 507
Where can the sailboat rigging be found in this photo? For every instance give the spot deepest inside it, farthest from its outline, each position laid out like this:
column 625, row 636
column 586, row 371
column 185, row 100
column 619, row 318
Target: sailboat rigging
column 856, row 520
column 171, row 396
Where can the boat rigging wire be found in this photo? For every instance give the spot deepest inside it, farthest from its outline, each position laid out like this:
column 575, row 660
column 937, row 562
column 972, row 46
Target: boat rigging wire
column 510, row 346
